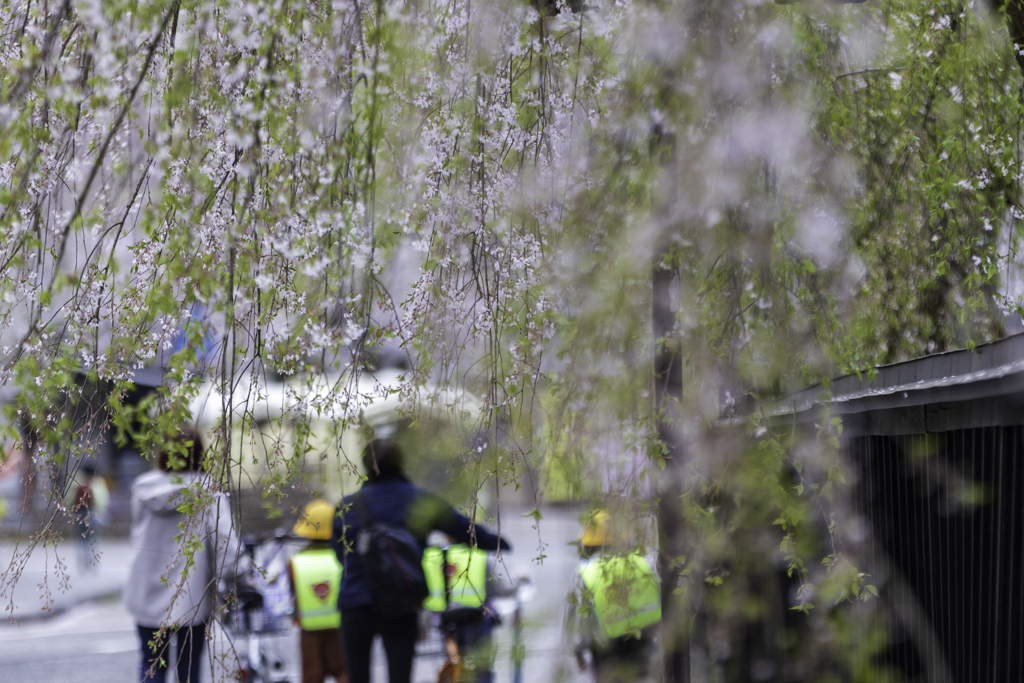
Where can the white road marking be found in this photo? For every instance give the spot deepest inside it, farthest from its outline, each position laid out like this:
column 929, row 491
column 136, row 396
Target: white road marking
column 110, row 647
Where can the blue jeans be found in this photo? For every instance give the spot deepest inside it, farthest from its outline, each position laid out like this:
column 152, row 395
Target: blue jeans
column 87, row 537
column 189, row 643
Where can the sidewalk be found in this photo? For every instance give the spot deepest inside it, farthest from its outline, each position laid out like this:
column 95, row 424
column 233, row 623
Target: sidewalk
column 48, row 581
column 94, row 639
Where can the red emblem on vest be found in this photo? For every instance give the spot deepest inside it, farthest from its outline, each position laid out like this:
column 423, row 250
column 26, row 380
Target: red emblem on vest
column 322, row 590
column 451, row 570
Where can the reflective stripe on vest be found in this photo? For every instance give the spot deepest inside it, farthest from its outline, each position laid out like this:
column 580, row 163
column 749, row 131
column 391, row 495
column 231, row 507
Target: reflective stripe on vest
column 317, row 575
column 433, row 569
column 626, row 596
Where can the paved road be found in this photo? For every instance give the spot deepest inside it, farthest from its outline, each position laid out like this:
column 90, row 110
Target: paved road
column 43, row 581
column 94, row 639
column 92, row 643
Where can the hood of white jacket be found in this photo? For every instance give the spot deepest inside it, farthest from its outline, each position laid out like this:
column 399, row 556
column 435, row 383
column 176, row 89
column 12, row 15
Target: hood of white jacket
column 161, row 492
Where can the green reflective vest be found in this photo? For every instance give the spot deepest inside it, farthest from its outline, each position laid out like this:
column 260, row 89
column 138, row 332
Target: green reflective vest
column 626, row 597
column 433, row 570
column 467, row 575
column 317, row 581
column 464, row 568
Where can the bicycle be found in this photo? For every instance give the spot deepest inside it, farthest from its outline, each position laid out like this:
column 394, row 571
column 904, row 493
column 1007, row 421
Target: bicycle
column 263, row 612
column 454, row 619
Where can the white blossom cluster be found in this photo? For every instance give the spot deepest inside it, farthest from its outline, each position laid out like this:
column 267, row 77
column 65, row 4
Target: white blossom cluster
column 314, row 179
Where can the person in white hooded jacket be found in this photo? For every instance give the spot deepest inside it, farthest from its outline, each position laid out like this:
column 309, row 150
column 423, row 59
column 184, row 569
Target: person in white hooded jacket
column 170, row 594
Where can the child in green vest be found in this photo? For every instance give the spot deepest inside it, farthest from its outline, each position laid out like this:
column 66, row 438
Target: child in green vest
column 461, row 576
column 617, row 605
column 316, row 581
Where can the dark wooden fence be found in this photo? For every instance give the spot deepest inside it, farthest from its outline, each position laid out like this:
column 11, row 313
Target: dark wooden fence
column 935, row 445
column 946, row 513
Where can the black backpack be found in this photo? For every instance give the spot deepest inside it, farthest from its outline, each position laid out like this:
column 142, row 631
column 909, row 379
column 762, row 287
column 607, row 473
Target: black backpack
column 393, row 561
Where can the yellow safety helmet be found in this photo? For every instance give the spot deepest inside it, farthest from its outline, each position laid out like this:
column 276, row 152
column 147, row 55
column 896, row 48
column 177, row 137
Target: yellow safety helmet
column 597, row 530
column 316, row 521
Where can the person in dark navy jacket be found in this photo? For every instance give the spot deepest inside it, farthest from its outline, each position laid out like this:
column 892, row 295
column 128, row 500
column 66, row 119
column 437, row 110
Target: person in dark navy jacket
column 393, row 500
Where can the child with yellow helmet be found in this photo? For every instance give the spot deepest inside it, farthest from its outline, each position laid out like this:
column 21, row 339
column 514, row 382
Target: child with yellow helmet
column 316, row 581
column 618, row 605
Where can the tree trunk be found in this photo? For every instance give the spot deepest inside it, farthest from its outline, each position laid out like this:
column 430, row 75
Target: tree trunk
column 668, row 392
column 1014, row 24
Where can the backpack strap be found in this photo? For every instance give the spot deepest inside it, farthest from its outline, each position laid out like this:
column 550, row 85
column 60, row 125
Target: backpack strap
column 447, row 583
column 366, row 520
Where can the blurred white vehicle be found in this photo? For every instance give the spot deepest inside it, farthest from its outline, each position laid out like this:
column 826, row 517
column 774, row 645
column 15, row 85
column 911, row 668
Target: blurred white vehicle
column 315, row 428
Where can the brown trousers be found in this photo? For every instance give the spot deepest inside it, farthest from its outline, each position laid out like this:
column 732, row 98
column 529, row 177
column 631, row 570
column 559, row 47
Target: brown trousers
column 322, row 655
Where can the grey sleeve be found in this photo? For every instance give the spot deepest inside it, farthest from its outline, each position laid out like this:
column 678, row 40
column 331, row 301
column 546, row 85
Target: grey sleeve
column 578, row 619
column 225, row 549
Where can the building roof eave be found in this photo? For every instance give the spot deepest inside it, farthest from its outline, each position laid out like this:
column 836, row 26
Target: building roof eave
column 986, row 371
